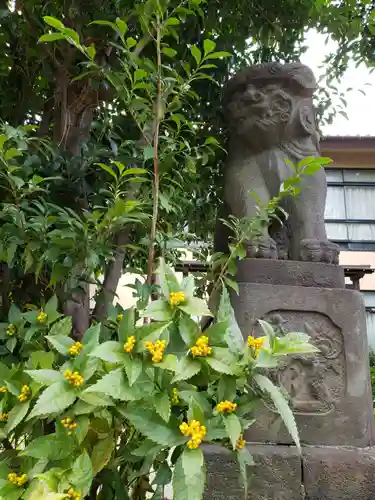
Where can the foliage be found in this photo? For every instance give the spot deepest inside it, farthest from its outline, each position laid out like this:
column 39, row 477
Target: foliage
column 98, row 417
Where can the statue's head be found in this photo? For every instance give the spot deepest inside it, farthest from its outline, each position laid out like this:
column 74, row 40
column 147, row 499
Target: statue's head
column 271, row 104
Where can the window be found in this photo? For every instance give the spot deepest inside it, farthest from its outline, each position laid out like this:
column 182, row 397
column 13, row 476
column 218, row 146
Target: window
column 350, row 208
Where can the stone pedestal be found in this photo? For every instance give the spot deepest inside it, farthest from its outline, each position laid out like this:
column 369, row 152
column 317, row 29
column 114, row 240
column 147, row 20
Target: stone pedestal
column 329, row 392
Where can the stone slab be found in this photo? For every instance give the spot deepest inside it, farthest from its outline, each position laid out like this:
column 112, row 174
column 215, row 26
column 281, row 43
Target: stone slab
column 289, row 272
column 330, row 392
column 339, row 473
column 276, row 474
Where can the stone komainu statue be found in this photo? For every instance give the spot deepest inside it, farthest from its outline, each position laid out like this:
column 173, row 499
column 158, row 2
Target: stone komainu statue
column 270, row 117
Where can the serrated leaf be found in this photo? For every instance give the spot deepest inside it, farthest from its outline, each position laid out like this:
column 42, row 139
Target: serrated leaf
column 163, row 405
column 61, row 327
column 189, row 330
column 153, row 426
column 281, row 404
column 46, row 377
column 101, row 453
column 16, row 415
column 61, row 343
column 81, row 474
column 227, row 387
column 52, row 447
column 115, row 385
column 14, row 315
column 158, row 310
column 233, row 336
column 195, row 307
column 219, row 366
column 191, row 486
column 133, row 368
column 112, row 352
column 95, row 399
column 167, row 279
column 233, row 426
column 55, row 399
column 186, row 368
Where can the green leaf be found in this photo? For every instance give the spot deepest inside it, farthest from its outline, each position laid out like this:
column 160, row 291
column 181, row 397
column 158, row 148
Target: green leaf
column 140, row 74
column 91, row 51
column 55, row 23
column 52, row 447
column 130, row 42
column 51, row 37
column 46, row 377
column 172, row 21
column 188, row 479
column 281, row 405
column 61, row 343
column 168, row 51
column 82, row 474
column 186, row 368
column 108, row 169
column 158, row 310
column 195, row 307
column 14, row 315
column 244, row 460
column 216, row 333
column 233, row 336
column 133, row 367
column 16, row 415
column 233, row 426
column 42, row 359
column 122, row 26
column 153, row 427
column 55, row 399
column 51, row 305
column 101, row 453
column 115, row 385
column 127, row 325
column 218, row 55
column 148, row 153
column 208, row 46
column 90, row 338
column 189, row 330
column 163, row 405
column 62, row 327
column 111, row 351
column 196, row 53
column 167, row 279
column 12, row 153
column 227, row 388
column 219, row 366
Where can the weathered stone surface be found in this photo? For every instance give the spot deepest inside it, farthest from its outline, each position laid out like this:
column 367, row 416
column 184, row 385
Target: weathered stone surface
column 271, row 119
column 339, row 473
column 276, row 475
column 330, row 392
column 289, row 272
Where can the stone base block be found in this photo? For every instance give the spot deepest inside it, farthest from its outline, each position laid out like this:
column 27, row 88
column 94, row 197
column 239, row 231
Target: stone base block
column 338, row 473
column 280, row 473
column 276, row 474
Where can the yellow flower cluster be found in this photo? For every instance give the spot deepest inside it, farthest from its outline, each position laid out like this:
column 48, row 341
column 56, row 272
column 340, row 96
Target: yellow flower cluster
column 240, row 443
column 3, row 389
column 25, row 393
column 201, row 347
column 74, row 494
column 256, row 344
column 226, row 407
column 42, row 317
column 119, row 317
column 69, row 424
column 129, row 344
column 196, row 431
column 175, row 399
column 74, row 378
column 11, row 330
column 3, row 417
column 75, row 349
column 17, row 480
column 176, row 298
column 156, row 349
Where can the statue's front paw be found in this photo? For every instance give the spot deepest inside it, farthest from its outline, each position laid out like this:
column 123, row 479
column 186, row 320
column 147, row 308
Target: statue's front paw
column 319, row 251
column 264, row 248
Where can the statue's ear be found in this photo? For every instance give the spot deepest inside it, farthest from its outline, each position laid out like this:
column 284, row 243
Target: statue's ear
column 307, row 117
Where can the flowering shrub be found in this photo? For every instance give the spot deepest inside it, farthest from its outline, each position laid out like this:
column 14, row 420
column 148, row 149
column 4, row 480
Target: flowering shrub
column 126, row 411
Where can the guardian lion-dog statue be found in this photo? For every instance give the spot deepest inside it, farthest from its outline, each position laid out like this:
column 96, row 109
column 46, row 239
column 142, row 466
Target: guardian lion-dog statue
column 270, row 116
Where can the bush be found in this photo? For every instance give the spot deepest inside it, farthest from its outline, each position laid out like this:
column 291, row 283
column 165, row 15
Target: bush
column 95, row 418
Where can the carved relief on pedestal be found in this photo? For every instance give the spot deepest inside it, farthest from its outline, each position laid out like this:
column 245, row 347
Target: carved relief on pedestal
column 314, row 383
